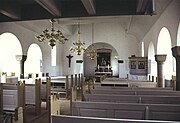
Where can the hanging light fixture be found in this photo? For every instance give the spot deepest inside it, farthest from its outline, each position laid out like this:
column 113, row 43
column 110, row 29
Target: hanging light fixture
column 91, row 51
column 78, row 45
column 52, row 35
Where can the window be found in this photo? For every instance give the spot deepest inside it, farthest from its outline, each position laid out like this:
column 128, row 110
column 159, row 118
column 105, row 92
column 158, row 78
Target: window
column 53, row 56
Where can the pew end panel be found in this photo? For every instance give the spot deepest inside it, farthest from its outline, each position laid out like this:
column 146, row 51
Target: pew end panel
column 13, row 100
column 33, row 95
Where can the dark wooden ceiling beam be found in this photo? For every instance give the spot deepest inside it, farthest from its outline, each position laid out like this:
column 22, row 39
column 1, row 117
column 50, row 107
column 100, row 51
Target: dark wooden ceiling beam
column 10, row 11
column 50, row 6
column 141, row 6
column 90, row 6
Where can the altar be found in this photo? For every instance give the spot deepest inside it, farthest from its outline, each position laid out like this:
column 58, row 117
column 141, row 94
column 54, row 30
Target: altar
column 104, row 70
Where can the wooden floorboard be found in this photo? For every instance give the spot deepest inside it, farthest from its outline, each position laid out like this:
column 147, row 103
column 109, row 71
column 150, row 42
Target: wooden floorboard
column 32, row 118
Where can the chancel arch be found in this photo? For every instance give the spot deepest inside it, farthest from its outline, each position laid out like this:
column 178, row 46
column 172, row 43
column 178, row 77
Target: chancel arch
column 105, row 52
column 152, row 66
column 10, row 46
column 164, row 47
column 33, row 63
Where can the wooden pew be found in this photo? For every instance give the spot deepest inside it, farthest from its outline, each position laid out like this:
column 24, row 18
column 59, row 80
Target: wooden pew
column 14, row 100
column 116, row 82
column 148, row 99
column 135, row 92
column 127, row 110
column 80, row 119
column 133, row 88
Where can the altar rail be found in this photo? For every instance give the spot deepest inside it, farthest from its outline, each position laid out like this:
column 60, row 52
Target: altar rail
column 127, row 110
column 80, row 119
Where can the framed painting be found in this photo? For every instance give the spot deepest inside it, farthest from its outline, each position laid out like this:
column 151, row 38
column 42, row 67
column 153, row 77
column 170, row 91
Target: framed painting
column 104, row 59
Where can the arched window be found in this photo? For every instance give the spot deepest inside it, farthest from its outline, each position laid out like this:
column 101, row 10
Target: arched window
column 9, row 47
column 33, row 64
column 53, row 56
column 178, row 36
column 152, row 66
column 142, row 49
column 164, row 47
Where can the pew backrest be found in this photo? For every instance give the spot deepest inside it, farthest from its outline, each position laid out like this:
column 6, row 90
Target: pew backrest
column 148, row 99
column 80, row 119
column 108, row 110
column 134, row 92
column 127, row 110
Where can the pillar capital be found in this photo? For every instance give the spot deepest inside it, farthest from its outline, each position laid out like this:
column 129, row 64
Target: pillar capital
column 21, row 57
column 160, row 58
column 176, row 51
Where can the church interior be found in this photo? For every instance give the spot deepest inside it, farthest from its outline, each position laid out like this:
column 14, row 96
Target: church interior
column 89, row 61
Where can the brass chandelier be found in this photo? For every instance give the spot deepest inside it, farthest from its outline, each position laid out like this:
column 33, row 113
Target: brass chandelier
column 52, row 36
column 78, row 45
column 91, row 52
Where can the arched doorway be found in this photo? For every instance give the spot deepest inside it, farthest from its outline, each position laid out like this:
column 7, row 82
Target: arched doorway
column 164, row 47
column 10, row 46
column 33, row 64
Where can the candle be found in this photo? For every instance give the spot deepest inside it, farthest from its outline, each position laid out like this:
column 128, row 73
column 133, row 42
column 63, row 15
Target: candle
column 98, row 67
column 108, row 66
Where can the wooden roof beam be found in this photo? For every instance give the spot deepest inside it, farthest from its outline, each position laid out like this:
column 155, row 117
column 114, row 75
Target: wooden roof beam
column 12, row 12
column 141, row 6
column 90, row 6
column 50, row 6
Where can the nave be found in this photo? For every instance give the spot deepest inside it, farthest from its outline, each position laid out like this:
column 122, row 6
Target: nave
column 122, row 104
column 64, row 98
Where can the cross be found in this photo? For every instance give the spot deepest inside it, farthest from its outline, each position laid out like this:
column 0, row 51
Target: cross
column 69, row 57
